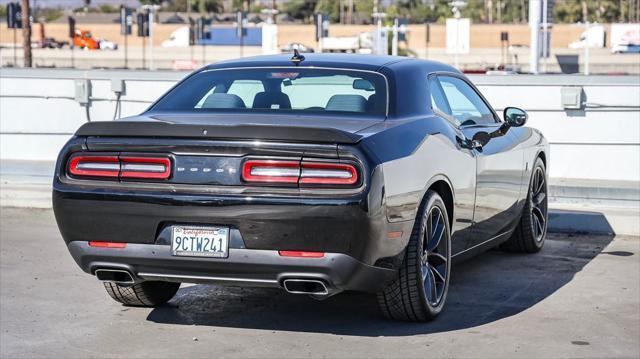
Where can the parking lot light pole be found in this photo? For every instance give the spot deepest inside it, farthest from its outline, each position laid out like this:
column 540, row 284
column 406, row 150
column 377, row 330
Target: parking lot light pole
column 378, row 16
column 152, row 11
column 26, row 33
column 394, row 41
column 534, row 24
column 585, row 15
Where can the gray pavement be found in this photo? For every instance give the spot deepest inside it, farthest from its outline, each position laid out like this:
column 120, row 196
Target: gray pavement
column 579, row 297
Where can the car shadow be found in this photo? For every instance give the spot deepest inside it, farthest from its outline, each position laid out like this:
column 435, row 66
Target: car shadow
column 487, row 288
column 579, row 222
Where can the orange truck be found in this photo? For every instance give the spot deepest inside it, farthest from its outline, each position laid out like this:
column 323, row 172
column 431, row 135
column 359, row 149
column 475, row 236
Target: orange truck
column 85, row 40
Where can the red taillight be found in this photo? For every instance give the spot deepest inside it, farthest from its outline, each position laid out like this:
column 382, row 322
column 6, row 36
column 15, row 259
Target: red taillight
column 271, row 171
column 114, row 166
column 303, row 173
column 302, row 254
column 145, row 167
column 95, row 166
column 328, row 173
column 107, row 244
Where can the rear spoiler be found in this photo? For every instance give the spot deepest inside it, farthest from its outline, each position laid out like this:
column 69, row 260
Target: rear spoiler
column 218, row 132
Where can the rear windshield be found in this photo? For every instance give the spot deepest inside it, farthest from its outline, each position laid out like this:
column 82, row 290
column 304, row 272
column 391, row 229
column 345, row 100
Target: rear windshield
column 280, row 90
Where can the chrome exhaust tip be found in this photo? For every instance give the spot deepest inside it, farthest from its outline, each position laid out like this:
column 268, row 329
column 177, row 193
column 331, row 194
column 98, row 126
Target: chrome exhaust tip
column 118, row 276
column 313, row 287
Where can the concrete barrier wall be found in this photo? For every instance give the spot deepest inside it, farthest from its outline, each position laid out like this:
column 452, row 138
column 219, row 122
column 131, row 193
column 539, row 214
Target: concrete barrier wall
column 38, row 113
column 601, row 142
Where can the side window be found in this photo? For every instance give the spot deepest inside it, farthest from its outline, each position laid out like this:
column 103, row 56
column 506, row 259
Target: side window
column 438, row 101
column 466, row 106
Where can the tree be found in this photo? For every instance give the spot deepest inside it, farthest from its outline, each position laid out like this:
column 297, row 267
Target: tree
column 207, row 6
column 107, row 8
column 331, row 7
column 300, row 9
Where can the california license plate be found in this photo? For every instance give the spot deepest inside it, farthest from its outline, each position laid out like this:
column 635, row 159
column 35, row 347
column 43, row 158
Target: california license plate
column 200, row 241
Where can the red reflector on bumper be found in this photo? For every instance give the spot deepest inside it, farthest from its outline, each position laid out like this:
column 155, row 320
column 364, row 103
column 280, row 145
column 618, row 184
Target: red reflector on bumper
column 301, row 254
column 107, row 244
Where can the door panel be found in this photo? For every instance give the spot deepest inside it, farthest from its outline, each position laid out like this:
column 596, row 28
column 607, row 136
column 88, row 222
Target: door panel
column 498, row 183
column 498, row 164
column 461, row 171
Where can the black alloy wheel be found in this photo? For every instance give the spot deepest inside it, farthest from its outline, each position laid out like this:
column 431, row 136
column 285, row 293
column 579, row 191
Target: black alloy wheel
column 435, row 258
column 529, row 235
column 419, row 291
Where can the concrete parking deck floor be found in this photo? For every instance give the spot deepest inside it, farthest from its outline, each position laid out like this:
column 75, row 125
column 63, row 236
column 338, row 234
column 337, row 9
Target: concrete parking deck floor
column 579, row 297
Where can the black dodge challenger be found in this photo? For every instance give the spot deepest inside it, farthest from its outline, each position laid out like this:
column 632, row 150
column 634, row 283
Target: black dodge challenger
column 315, row 175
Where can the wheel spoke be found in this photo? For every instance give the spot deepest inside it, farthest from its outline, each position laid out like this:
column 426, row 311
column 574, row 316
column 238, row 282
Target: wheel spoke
column 434, row 288
column 436, row 259
column 434, row 227
column 424, row 269
column 436, row 238
column 540, row 181
column 429, row 284
column 437, row 275
column 538, row 221
column 537, row 199
column 537, row 212
column 540, row 226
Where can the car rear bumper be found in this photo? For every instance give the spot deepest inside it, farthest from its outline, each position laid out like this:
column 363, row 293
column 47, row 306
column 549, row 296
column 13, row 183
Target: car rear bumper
column 351, row 226
column 243, row 267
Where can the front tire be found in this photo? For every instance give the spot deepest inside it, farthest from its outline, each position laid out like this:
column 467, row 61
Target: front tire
column 531, row 232
column 144, row 294
column 420, row 291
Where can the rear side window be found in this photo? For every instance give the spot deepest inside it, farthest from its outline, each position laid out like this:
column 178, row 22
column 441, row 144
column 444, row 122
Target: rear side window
column 467, row 107
column 438, row 100
column 280, row 90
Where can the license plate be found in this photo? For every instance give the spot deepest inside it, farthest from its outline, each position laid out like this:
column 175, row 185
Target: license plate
column 200, row 241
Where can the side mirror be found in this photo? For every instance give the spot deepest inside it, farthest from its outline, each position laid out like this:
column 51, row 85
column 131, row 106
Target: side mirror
column 515, row 117
column 480, row 139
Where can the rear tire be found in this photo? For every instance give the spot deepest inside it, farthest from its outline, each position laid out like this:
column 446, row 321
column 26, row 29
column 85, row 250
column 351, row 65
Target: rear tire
column 144, row 294
column 420, row 291
column 531, row 231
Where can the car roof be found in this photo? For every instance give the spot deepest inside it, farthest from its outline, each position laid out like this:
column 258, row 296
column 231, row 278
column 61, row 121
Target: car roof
column 346, row 61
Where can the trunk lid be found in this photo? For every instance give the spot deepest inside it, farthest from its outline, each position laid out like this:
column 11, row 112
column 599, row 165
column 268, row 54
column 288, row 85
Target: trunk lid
column 210, row 149
column 290, row 128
